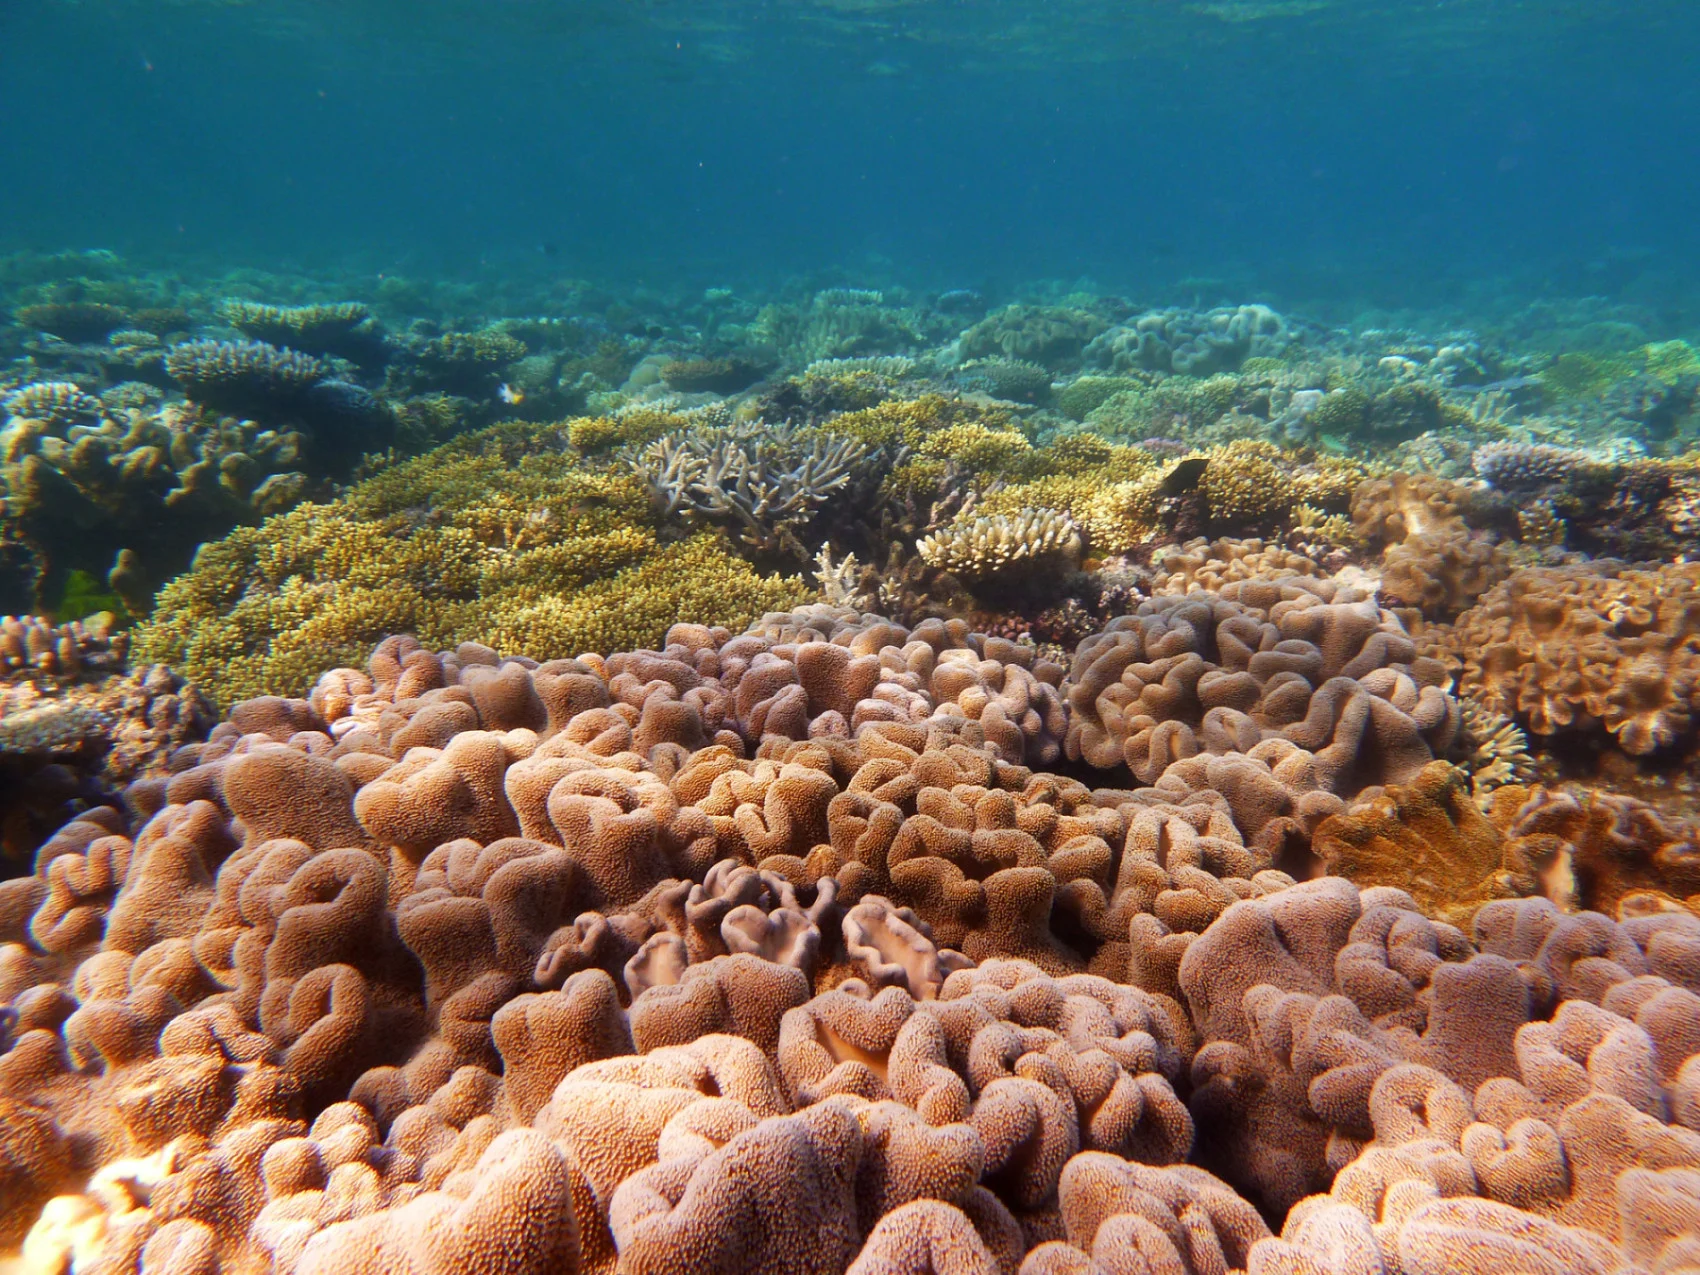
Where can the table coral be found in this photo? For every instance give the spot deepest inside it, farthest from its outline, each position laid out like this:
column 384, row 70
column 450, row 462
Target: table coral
column 77, row 725
column 346, row 329
column 75, row 321
column 246, row 378
column 57, row 404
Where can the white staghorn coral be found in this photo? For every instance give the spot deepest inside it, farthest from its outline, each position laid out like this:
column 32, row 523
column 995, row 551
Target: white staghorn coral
column 1000, row 543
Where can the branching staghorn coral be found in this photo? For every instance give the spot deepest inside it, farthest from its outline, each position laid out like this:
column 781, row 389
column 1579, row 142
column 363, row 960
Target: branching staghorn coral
column 838, row 580
column 1490, row 748
column 766, row 483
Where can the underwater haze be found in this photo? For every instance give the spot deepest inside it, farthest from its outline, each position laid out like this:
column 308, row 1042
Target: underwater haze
column 1327, row 151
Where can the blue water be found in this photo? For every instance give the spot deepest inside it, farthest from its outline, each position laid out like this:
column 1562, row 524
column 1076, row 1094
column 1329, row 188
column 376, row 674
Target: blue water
column 1384, row 153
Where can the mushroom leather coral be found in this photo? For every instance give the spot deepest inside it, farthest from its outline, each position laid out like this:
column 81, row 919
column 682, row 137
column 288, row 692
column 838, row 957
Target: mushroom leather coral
column 771, row 952
column 1312, row 680
column 1593, row 648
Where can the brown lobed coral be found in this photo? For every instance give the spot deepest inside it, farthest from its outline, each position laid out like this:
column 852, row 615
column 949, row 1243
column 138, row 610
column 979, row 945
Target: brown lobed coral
column 76, row 725
column 1593, row 648
column 771, row 952
column 1441, row 547
column 1286, row 695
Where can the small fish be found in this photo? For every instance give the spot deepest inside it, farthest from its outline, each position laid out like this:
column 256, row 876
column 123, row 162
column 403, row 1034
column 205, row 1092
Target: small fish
column 1184, row 476
column 509, row 395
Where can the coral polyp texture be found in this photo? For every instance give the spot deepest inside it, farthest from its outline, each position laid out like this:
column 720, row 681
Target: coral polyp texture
column 781, row 950
column 345, row 328
column 1005, row 545
column 244, row 377
column 1602, row 648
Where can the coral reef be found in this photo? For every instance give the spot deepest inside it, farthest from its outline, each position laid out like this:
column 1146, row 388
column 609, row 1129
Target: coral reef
column 999, row 785
column 771, row 951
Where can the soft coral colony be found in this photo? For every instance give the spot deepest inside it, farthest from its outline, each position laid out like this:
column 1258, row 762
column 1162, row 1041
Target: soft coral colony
column 1128, row 854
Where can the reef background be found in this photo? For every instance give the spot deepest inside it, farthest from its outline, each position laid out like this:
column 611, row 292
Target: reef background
column 1326, row 155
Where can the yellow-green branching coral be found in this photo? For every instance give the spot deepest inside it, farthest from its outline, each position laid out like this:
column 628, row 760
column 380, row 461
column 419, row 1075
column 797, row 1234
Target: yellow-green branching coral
column 497, row 537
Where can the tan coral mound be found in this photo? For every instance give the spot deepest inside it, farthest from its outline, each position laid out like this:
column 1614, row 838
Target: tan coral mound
column 1441, row 552
column 770, row 952
column 1576, row 649
column 1205, row 566
column 1285, row 695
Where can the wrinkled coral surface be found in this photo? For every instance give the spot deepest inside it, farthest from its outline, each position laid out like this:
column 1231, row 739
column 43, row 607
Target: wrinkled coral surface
column 1602, row 647
column 780, row 951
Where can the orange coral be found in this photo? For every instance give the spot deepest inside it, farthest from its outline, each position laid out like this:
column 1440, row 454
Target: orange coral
column 1429, row 839
column 1598, row 647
